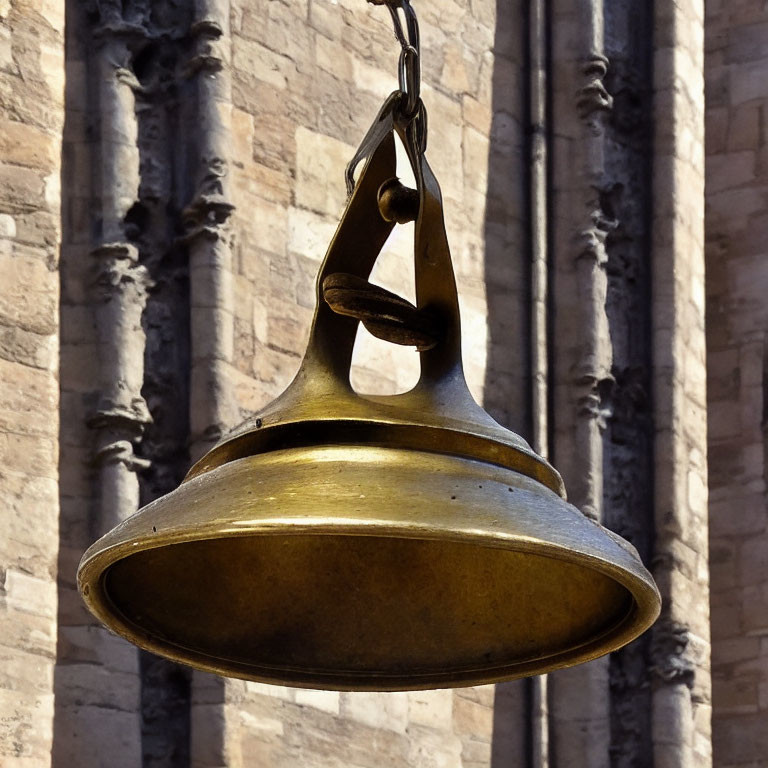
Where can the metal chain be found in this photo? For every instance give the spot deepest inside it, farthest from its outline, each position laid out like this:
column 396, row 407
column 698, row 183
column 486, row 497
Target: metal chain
column 404, row 106
column 409, row 66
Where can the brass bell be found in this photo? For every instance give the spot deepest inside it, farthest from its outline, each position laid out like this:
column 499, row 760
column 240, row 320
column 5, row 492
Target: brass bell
column 352, row 542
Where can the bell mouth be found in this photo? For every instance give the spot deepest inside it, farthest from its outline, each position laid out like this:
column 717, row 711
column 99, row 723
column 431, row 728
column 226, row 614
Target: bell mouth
column 395, row 613
column 362, row 568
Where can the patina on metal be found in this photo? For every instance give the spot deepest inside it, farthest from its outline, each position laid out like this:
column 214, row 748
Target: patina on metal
column 343, row 541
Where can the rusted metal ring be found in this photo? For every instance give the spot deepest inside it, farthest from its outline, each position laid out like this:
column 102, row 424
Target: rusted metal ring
column 386, row 315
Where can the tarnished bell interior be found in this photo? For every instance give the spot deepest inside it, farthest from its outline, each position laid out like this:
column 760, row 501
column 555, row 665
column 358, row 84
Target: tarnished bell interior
column 341, row 541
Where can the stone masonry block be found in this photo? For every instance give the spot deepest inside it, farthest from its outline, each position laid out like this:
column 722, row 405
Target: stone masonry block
column 388, row 711
column 28, row 145
column 29, row 296
column 428, row 749
column 27, row 396
column 319, row 161
column 472, row 718
column 29, row 594
column 327, row 701
column 21, row 189
column 432, row 709
column 744, row 127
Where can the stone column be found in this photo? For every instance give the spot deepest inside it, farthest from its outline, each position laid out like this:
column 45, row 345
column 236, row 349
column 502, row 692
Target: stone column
column 579, row 697
column 680, row 652
column 208, row 236
column 212, row 407
column 98, row 683
column 122, row 285
column 537, row 64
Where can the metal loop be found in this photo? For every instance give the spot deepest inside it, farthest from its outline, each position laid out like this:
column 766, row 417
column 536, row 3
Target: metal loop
column 411, row 22
column 416, row 124
column 410, row 80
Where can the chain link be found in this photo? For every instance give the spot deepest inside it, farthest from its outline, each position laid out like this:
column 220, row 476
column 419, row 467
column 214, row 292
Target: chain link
column 403, row 107
column 409, row 66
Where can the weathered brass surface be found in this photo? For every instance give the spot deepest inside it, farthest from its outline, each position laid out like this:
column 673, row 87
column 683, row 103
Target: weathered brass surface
column 386, row 315
column 343, row 541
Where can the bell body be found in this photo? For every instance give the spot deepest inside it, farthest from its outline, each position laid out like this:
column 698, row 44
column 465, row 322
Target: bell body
column 340, row 541
column 375, row 549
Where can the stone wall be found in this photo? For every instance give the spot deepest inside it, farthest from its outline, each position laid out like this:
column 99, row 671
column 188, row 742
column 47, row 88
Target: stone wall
column 737, row 319
column 31, row 115
column 681, row 638
column 202, row 178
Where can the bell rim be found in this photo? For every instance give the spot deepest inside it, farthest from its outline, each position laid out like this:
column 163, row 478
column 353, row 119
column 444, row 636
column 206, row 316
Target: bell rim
column 482, row 505
column 644, row 610
column 408, row 419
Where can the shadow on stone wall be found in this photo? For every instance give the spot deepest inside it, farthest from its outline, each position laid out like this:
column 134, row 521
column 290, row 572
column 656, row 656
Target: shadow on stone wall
column 507, row 271
column 112, row 703
column 76, row 368
column 507, row 390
